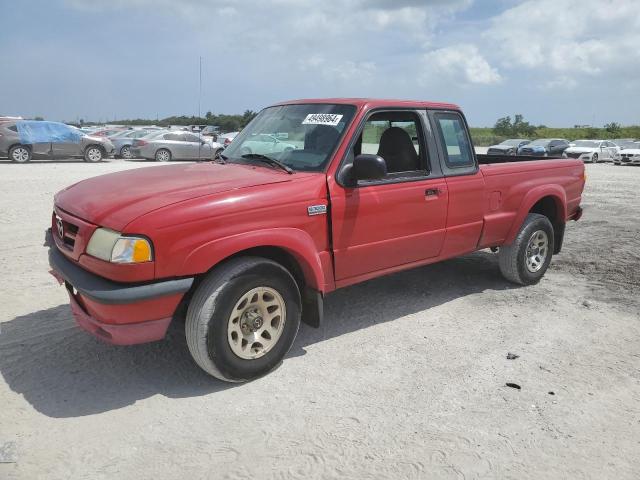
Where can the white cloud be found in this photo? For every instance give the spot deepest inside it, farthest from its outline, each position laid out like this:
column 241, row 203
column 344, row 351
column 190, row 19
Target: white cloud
column 589, row 37
column 462, row 62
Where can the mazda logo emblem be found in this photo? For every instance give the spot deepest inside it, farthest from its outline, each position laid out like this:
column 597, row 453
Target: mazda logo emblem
column 60, row 226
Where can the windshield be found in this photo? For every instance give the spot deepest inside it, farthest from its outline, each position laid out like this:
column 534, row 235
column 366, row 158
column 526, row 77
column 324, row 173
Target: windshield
column 628, row 145
column 540, row 141
column 302, row 137
column 586, row 143
column 513, row 143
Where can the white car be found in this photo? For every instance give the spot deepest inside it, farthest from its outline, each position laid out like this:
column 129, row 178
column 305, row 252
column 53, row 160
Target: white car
column 629, row 154
column 226, row 138
column 592, row 151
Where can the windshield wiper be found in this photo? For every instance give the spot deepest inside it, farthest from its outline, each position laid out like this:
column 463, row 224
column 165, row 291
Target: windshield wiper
column 269, row 160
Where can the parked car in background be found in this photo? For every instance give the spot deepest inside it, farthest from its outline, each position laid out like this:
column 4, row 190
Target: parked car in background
column 508, row 147
column 592, row 151
column 106, row 132
column 122, row 141
column 547, row 147
column 174, row 145
column 265, row 143
column 625, row 144
column 211, row 131
column 226, row 138
column 26, row 139
column 629, row 154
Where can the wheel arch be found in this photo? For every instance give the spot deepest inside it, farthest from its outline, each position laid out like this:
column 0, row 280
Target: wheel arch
column 291, row 248
column 549, row 201
column 97, row 145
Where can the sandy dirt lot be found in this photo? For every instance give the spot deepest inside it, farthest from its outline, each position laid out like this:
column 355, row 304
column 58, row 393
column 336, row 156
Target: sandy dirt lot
column 405, row 379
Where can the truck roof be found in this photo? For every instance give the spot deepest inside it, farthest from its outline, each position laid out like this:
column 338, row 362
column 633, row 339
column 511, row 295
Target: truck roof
column 375, row 102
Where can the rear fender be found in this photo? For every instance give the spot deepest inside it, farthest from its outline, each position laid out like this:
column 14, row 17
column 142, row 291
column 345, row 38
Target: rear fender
column 530, row 199
column 297, row 243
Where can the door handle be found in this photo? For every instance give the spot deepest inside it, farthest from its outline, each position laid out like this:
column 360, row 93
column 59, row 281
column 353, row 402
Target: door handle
column 432, row 192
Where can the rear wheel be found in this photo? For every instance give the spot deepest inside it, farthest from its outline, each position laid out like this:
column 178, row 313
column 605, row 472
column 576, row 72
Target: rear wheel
column 243, row 319
column 20, row 154
column 93, row 154
column 163, row 155
column 526, row 260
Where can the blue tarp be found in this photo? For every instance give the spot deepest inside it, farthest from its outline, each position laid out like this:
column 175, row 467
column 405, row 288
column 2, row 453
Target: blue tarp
column 31, row 132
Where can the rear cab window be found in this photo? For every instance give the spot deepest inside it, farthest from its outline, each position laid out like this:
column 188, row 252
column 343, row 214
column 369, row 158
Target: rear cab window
column 454, row 142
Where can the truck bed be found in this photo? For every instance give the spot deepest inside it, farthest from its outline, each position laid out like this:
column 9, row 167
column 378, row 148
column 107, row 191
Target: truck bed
column 484, row 159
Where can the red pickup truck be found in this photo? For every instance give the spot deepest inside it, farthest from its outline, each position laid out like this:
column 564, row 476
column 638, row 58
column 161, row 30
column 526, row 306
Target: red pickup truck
column 313, row 195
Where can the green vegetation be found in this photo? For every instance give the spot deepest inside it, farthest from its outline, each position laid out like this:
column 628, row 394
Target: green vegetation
column 227, row 123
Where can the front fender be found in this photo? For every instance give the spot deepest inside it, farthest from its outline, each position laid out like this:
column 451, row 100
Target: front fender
column 294, row 241
column 530, row 199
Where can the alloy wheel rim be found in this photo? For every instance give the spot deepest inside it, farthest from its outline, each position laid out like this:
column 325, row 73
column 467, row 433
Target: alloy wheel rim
column 20, row 154
column 256, row 323
column 537, row 251
column 94, row 154
column 163, row 156
column 126, row 153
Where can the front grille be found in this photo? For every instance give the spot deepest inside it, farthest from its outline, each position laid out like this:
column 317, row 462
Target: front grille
column 69, row 231
column 573, row 154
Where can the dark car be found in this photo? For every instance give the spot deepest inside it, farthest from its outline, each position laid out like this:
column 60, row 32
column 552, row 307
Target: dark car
column 548, row 147
column 508, row 147
column 24, row 139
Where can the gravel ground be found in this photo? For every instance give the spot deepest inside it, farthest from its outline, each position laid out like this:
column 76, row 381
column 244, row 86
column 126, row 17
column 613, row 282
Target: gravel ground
column 405, row 379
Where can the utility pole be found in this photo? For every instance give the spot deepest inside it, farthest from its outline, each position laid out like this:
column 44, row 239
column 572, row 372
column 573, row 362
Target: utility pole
column 200, row 88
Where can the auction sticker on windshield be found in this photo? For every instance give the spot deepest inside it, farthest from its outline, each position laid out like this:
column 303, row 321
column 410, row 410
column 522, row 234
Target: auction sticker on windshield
column 322, row 119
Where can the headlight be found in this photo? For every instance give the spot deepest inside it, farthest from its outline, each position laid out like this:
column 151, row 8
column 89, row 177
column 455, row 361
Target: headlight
column 112, row 246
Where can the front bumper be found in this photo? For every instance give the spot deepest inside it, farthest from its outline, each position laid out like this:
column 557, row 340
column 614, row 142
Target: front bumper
column 118, row 313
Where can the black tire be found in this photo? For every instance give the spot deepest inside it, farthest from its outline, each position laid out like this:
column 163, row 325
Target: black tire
column 513, row 258
column 125, row 152
column 93, row 154
column 210, row 312
column 163, row 155
column 594, row 159
column 20, row 154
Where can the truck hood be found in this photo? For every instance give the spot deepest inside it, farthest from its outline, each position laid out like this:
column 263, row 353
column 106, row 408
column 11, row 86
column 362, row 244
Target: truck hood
column 116, row 199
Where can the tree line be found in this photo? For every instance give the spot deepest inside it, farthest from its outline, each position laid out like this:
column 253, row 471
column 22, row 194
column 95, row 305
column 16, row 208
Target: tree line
column 227, row 123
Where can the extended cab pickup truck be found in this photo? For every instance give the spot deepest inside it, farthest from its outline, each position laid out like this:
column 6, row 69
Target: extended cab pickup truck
column 244, row 248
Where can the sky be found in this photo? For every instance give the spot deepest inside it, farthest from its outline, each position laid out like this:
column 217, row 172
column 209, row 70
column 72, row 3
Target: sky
column 557, row 62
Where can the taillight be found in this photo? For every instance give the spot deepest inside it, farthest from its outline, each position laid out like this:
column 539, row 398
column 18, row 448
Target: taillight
column 140, row 143
column 227, row 141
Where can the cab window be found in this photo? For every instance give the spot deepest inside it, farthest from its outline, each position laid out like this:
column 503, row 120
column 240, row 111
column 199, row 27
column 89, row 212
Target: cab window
column 454, row 139
column 395, row 136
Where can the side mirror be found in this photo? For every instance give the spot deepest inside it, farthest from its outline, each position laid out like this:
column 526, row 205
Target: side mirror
column 364, row 167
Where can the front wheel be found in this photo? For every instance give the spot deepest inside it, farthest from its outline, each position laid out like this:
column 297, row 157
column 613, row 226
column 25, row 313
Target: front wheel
column 125, row 152
column 93, row 154
column 595, row 158
column 526, row 260
column 19, row 154
column 243, row 319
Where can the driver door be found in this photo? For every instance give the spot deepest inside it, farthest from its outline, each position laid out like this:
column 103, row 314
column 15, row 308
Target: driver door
column 384, row 224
